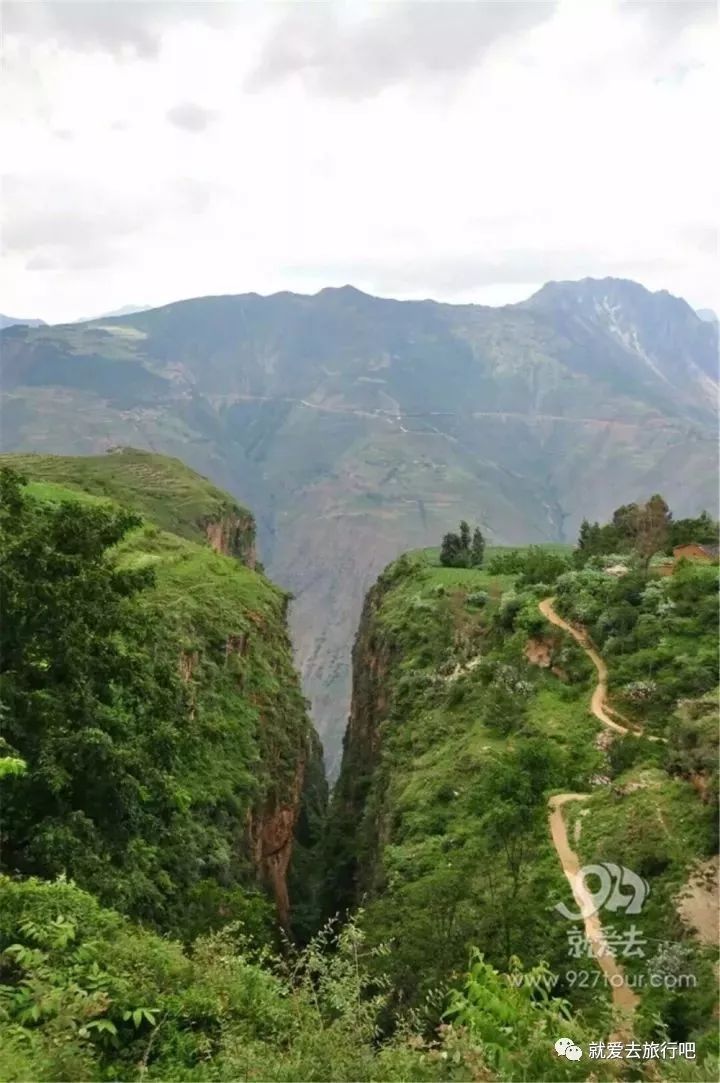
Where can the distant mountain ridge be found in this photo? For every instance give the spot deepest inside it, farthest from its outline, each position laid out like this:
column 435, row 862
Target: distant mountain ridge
column 126, row 310
column 12, row 321
column 358, row 427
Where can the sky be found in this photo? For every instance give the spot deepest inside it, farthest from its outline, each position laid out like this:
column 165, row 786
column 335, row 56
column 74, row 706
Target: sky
column 465, row 151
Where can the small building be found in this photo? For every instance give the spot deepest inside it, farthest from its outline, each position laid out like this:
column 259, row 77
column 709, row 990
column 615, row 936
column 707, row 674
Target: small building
column 703, row 554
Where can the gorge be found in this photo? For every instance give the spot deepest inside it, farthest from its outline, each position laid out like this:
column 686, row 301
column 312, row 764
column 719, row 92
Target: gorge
column 357, row 427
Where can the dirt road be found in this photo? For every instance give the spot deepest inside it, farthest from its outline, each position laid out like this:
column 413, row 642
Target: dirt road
column 623, row 997
column 598, row 703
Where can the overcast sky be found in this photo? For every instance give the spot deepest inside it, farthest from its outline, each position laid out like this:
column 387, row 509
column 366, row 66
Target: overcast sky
column 462, row 151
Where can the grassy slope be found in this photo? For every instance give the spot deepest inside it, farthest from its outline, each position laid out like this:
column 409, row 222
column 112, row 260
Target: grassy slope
column 421, row 840
column 210, row 601
column 227, row 624
column 424, row 811
column 161, row 488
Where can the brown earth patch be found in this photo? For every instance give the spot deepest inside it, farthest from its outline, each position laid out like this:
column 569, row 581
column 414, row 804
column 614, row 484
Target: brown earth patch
column 538, row 652
column 699, row 901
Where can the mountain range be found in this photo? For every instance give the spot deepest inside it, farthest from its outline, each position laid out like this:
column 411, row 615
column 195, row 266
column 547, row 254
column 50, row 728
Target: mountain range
column 357, row 426
column 10, row 321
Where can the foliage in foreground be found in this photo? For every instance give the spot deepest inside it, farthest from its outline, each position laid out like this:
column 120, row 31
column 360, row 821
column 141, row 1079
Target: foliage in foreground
column 84, row 994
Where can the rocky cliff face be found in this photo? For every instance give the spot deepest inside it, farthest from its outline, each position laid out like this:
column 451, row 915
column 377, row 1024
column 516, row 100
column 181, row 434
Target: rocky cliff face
column 352, row 837
column 233, row 535
column 271, row 833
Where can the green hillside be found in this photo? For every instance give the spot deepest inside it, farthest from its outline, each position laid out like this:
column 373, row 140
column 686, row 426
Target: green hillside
column 164, row 490
column 470, row 711
column 179, row 690
column 161, row 783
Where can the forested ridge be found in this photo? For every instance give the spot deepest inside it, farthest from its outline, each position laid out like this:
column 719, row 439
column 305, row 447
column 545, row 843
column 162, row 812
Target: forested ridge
column 176, row 902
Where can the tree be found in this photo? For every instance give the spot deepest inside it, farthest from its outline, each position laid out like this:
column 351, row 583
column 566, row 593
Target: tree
column 541, row 566
column 450, row 551
column 652, row 526
column 477, row 550
column 703, row 530
column 93, row 703
column 459, row 551
column 625, row 521
column 584, row 535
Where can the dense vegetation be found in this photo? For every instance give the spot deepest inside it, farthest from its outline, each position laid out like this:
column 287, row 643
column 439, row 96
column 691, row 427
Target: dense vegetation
column 470, row 710
column 146, row 682
column 645, row 529
column 88, row 995
column 156, row 748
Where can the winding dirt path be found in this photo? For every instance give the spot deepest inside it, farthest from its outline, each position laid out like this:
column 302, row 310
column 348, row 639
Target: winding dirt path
column 623, row 997
column 598, row 703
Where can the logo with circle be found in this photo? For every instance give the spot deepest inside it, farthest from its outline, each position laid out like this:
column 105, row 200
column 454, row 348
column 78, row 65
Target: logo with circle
column 565, row 1047
column 620, row 889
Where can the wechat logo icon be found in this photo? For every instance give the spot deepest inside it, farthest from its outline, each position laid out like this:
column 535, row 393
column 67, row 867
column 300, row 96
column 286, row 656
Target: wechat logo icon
column 565, row 1047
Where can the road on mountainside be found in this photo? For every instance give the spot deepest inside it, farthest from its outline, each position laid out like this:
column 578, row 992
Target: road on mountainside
column 598, row 704
column 623, row 996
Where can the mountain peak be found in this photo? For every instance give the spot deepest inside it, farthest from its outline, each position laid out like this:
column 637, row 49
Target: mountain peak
column 612, row 299
column 617, row 289
column 346, row 292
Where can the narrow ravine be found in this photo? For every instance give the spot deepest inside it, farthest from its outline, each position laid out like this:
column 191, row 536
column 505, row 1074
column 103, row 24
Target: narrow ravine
column 623, row 997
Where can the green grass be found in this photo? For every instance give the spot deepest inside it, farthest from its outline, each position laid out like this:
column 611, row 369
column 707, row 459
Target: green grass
column 160, row 488
column 562, row 717
column 432, row 553
column 50, row 492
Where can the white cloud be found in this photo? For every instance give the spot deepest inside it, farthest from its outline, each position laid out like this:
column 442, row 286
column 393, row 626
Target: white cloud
column 115, row 26
column 527, row 148
column 190, row 116
column 340, row 51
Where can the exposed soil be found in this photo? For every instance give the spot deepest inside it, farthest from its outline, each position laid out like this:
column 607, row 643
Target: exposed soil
column 598, row 702
column 623, row 997
column 538, row 652
column 699, row 901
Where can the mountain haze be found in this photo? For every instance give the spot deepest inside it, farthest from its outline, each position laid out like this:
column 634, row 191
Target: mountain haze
column 11, row 321
column 125, row 310
column 358, row 426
